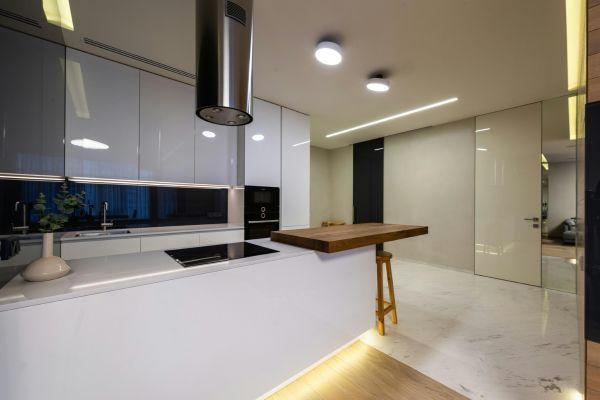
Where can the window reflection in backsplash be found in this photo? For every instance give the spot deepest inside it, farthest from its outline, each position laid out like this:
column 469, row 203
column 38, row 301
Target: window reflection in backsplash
column 128, row 206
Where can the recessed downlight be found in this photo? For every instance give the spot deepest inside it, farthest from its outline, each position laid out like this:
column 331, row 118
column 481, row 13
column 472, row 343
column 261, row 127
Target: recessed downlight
column 378, row 84
column 328, row 53
column 258, row 137
column 208, row 134
column 89, row 144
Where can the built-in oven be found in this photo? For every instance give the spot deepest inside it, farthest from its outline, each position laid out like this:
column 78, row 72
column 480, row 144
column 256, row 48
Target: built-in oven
column 261, row 211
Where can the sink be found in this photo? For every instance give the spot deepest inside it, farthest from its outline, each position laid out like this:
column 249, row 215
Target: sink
column 103, row 233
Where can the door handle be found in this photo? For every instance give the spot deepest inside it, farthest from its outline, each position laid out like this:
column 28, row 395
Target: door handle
column 534, row 219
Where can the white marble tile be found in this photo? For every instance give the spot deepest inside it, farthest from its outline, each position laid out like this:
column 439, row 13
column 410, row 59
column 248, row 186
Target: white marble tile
column 485, row 338
column 559, row 273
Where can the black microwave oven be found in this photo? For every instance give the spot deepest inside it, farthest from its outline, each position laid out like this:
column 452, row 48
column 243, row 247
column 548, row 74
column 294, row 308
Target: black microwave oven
column 261, row 211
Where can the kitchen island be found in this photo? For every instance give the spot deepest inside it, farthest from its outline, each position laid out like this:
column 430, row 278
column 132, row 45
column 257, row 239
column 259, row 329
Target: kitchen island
column 140, row 326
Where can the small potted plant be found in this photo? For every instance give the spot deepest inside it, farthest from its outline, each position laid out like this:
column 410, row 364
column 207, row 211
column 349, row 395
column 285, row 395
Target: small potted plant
column 49, row 266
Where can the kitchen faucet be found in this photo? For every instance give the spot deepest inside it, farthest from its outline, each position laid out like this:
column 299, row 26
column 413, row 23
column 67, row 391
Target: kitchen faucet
column 105, row 224
column 24, row 225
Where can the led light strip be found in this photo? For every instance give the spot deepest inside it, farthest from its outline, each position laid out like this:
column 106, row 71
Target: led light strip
column 301, row 143
column 395, row 116
column 109, row 181
column 32, row 177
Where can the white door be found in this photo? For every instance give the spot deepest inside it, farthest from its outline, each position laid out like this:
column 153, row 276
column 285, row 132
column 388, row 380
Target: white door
column 507, row 195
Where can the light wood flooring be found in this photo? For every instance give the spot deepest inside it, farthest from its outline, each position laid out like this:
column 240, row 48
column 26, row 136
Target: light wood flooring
column 362, row 372
column 557, row 249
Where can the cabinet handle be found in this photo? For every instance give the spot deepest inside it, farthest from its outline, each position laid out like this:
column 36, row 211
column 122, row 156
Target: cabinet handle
column 264, row 221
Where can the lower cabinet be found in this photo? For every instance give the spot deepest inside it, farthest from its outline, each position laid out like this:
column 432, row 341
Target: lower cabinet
column 110, row 247
column 166, row 242
column 99, row 248
column 29, row 253
column 219, row 237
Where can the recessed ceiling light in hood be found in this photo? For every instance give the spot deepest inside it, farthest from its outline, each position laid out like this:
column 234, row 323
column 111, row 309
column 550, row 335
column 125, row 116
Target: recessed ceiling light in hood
column 224, row 61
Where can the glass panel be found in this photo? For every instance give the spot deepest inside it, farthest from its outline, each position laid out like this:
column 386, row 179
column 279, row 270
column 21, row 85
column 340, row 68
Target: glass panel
column 559, row 229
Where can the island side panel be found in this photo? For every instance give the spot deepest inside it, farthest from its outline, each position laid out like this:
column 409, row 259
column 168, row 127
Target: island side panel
column 232, row 334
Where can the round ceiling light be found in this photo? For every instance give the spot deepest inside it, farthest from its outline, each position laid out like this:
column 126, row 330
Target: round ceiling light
column 208, row 134
column 378, row 84
column 329, row 53
column 258, row 137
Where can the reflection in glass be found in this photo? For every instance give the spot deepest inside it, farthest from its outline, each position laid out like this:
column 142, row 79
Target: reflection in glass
column 558, row 174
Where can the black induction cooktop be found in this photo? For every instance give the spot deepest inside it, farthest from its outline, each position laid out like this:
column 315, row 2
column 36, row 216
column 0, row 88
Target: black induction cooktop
column 221, row 252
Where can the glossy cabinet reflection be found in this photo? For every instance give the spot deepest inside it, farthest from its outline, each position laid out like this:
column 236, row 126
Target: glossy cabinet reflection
column 263, row 145
column 102, row 118
column 31, row 105
column 295, row 169
column 216, row 153
column 166, row 129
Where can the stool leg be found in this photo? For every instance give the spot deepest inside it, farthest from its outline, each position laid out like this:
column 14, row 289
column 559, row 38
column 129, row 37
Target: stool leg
column 380, row 315
column 390, row 281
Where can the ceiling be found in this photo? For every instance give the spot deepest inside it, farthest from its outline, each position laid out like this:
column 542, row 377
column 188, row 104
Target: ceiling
column 556, row 143
column 490, row 54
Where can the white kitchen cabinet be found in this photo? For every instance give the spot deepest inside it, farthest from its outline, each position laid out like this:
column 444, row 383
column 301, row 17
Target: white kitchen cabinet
column 167, row 242
column 32, row 96
column 102, row 117
column 263, row 145
column 295, row 169
column 166, row 129
column 29, row 253
column 99, row 248
column 220, row 237
column 216, row 153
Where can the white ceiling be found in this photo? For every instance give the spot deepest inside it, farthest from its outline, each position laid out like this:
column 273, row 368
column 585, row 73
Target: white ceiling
column 556, row 143
column 490, row 54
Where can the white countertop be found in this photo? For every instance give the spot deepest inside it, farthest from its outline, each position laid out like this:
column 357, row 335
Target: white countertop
column 134, row 232
column 104, row 274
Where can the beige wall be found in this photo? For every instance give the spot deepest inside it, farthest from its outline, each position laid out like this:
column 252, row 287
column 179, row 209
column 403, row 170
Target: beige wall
column 320, row 186
column 341, row 164
column 429, row 180
column 330, row 185
column 561, row 195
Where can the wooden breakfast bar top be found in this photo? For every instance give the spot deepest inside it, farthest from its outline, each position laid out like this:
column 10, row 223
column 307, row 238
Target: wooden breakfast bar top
column 332, row 239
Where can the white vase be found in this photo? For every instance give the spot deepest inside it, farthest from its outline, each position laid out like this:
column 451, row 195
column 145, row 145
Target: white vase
column 49, row 266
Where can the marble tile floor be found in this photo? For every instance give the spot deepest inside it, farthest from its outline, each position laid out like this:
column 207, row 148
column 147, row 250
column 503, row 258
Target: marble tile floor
column 559, row 273
column 483, row 337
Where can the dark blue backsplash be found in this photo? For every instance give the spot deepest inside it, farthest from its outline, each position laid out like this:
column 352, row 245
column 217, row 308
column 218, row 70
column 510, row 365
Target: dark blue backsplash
column 129, row 206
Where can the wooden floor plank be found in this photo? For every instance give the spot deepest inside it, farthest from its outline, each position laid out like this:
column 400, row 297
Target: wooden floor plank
column 361, row 372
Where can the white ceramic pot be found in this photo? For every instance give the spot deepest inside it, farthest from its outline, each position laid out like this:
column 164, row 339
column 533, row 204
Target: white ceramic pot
column 49, row 266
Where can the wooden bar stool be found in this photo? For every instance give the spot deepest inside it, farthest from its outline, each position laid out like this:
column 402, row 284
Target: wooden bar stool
column 384, row 307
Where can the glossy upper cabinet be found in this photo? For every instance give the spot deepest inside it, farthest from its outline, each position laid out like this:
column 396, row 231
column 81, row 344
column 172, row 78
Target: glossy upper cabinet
column 216, row 153
column 263, row 145
column 102, row 117
column 32, row 90
column 295, row 169
column 166, row 129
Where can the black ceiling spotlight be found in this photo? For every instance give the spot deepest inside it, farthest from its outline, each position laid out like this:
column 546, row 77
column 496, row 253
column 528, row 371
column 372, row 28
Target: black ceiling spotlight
column 224, row 61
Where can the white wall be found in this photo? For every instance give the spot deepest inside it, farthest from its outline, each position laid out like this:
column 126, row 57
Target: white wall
column 341, row 164
column 331, row 185
column 320, row 186
column 561, row 195
column 429, row 180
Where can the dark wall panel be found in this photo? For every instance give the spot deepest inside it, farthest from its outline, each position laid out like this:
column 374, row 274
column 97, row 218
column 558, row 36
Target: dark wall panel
column 129, row 206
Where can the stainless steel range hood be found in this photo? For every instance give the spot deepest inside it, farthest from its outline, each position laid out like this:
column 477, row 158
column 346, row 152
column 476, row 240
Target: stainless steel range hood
column 224, row 61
